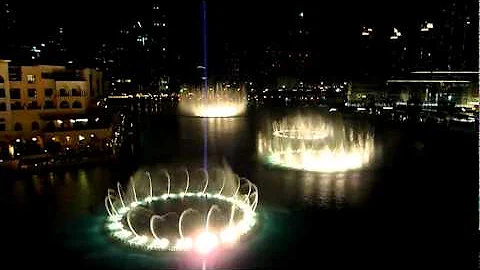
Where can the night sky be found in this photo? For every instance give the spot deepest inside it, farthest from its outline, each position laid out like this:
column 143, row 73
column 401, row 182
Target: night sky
column 244, row 25
column 227, row 19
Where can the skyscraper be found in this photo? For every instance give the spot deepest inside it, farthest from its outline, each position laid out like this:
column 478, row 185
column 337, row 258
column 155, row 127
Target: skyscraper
column 136, row 58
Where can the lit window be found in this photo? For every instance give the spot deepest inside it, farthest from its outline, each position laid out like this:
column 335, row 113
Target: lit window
column 31, row 78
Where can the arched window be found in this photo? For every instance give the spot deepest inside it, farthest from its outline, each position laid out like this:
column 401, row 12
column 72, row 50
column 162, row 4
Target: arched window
column 76, row 92
column 33, row 106
column 1, row 79
column 63, row 92
column 3, row 106
column 77, row 104
column 35, row 125
column 17, row 105
column 18, row 127
column 64, row 104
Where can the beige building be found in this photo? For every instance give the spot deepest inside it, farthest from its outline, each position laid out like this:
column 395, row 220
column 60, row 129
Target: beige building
column 49, row 103
column 29, row 92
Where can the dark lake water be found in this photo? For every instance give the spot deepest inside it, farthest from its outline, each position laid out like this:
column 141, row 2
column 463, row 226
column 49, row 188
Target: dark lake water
column 414, row 206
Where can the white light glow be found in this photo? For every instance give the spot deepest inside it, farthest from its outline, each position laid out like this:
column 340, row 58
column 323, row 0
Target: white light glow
column 229, row 235
column 338, row 151
column 206, row 242
column 300, row 128
column 428, row 81
column 241, row 214
column 218, row 102
column 184, row 244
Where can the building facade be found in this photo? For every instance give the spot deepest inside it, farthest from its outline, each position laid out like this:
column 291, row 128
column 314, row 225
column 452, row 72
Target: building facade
column 29, row 92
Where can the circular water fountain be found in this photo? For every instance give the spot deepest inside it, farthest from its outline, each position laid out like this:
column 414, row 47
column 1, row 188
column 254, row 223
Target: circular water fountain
column 310, row 143
column 301, row 128
column 210, row 211
column 216, row 102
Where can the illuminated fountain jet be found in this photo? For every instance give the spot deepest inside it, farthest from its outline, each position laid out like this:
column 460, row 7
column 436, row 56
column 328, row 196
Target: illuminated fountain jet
column 310, row 143
column 182, row 210
column 216, row 102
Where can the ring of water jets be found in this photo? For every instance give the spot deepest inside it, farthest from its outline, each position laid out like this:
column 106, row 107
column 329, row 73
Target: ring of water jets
column 241, row 203
column 310, row 144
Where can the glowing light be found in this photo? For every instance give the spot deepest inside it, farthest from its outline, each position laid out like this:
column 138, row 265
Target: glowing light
column 338, row 151
column 206, row 242
column 229, row 235
column 446, row 72
column 301, row 129
column 81, row 138
column 34, row 139
column 161, row 244
column 17, row 140
column 59, row 122
column 428, row 81
column 220, row 102
column 184, row 244
column 122, row 225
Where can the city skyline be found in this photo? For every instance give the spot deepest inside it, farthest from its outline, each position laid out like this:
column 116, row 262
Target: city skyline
column 247, row 40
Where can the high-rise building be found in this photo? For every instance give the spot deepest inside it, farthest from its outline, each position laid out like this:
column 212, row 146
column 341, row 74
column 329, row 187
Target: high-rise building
column 138, row 57
column 398, row 49
column 447, row 40
column 289, row 56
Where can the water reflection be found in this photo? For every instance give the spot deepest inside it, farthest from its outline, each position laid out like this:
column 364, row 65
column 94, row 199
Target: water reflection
column 223, row 135
column 57, row 196
column 286, row 188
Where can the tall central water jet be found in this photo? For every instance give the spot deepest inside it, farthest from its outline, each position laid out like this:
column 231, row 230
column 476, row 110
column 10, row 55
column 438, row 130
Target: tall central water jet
column 205, row 82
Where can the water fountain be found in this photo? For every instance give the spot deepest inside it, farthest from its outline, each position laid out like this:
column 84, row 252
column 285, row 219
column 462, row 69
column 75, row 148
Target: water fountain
column 220, row 101
column 311, row 143
column 182, row 210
